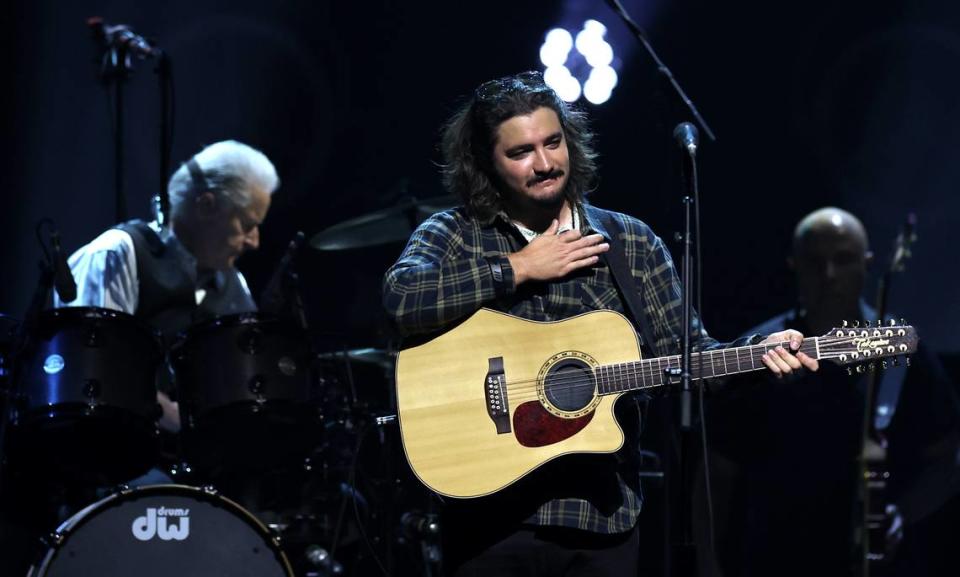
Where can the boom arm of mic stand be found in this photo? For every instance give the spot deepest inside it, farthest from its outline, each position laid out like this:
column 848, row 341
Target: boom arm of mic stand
column 661, row 67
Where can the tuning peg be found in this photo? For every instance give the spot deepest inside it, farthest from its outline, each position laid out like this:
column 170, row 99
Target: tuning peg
column 902, row 322
column 850, row 371
column 866, row 323
column 896, row 361
column 860, row 368
column 872, row 366
column 883, row 364
column 845, row 324
column 908, row 361
column 879, row 323
column 856, row 324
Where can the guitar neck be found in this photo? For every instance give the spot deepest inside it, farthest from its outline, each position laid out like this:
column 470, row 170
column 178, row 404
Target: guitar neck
column 663, row 371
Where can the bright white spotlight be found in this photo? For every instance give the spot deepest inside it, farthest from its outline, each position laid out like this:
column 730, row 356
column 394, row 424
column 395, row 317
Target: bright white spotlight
column 605, row 75
column 563, row 83
column 597, row 53
column 600, row 54
column 560, row 38
column 550, row 55
column 595, row 27
column 556, row 47
column 596, row 92
column 587, row 41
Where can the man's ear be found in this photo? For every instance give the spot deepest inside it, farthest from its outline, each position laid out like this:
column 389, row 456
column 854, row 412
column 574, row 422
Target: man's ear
column 206, row 203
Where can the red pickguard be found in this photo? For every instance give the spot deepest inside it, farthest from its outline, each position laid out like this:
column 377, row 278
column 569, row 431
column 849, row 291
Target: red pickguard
column 534, row 426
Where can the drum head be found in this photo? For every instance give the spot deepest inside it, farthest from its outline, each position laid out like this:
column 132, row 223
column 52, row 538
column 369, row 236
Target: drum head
column 164, row 530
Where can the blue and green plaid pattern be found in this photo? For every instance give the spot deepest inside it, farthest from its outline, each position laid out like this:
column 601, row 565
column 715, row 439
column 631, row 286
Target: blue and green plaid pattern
column 444, row 274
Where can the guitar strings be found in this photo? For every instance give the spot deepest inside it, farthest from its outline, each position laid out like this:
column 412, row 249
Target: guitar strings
column 519, row 390
column 647, row 370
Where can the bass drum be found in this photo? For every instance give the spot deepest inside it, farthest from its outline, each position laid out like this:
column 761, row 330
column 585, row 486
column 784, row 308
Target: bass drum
column 86, row 396
column 164, row 530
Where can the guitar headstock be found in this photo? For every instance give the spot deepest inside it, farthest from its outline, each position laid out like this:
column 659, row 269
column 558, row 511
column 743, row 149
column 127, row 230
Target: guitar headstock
column 855, row 344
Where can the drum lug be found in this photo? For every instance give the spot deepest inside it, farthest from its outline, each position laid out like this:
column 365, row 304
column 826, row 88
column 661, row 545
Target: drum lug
column 287, row 366
column 91, row 390
column 54, row 539
column 209, row 490
column 250, row 341
column 256, row 385
column 94, row 338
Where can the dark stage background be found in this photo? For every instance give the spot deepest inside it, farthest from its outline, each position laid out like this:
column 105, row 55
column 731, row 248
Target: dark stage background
column 852, row 104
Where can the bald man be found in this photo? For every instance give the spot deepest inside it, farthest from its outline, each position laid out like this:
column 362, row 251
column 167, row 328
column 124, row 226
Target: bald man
column 831, row 254
column 790, row 450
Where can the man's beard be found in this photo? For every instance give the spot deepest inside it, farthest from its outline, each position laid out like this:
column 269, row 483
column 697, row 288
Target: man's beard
column 551, row 201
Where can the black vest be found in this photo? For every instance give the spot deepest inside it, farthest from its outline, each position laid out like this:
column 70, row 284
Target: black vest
column 168, row 283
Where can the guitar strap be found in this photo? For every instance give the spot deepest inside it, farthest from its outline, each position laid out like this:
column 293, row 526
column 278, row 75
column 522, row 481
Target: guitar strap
column 631, row 296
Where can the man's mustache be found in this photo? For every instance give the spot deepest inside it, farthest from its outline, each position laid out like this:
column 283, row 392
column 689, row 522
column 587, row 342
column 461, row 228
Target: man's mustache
column 540, row 178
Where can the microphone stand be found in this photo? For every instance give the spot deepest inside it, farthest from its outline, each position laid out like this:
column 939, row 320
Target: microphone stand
column 661, row 67
column 121, row 46
column 683, row 547
column 161, row 201
column 115, row 68
column 26, row 331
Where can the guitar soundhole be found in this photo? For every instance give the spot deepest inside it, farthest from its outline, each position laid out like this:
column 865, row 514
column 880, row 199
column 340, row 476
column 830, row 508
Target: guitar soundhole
column 569, row 385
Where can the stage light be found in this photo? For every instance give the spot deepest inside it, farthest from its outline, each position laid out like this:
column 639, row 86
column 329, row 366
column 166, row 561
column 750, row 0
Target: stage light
column 587, row 71
column 563, row 82
column 556, row 47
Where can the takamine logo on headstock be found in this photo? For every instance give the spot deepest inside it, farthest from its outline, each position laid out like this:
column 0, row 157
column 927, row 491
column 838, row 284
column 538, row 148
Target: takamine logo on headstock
column 856, row 344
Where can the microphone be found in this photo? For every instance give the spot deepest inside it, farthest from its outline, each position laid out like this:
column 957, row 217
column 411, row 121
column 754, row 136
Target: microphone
column 320, row 558
column 686, row 136
column 62, row 276
column 272, row 298
column 415, row 524
column 121, row 36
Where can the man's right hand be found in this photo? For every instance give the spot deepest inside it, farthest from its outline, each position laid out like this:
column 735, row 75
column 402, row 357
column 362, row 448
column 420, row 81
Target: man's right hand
column 551, row 256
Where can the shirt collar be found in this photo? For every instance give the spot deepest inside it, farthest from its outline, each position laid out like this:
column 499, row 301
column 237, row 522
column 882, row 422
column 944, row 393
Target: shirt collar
column 530, row 234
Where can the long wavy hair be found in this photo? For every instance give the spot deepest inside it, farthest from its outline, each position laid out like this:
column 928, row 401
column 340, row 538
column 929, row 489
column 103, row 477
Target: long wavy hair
column 470, row 135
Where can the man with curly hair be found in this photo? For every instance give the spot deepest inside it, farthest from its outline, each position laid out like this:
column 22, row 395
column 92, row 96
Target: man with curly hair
column 526, row 242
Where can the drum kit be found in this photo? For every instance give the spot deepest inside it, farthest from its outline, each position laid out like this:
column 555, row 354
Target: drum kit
column 284, row 464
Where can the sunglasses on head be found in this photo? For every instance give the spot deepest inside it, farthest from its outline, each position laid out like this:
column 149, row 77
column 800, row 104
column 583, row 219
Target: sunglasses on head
column 530, row 81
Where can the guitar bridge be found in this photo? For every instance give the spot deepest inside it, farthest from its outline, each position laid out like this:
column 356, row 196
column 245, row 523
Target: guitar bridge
column 495, row 393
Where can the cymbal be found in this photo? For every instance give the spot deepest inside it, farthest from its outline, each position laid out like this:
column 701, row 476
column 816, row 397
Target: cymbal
column 380, row 357
column 394, row 224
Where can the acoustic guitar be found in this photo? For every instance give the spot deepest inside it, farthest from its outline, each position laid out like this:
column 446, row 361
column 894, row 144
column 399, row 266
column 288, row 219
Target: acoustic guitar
column 497, row 396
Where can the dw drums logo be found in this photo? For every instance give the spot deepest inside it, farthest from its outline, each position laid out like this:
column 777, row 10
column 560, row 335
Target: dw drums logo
column 157, row 523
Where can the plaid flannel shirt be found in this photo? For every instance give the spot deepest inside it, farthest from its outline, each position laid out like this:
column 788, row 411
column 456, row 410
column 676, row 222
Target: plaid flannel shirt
column 453, row 265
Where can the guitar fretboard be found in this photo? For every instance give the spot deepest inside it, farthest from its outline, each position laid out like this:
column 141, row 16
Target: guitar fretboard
column 618, row 378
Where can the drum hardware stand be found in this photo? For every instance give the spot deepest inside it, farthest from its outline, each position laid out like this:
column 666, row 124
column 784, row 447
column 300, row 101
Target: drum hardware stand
column 421, row 527
column 41, row 294
column 424, row 528
column 281, row 296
